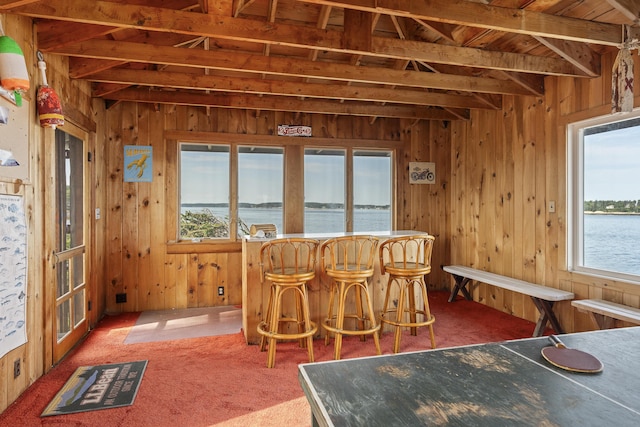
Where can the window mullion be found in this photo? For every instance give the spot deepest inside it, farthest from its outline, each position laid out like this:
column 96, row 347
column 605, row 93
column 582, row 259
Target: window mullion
column 349, row 190
column 233, row 193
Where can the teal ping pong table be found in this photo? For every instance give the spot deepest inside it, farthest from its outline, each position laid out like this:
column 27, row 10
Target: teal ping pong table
column 500, row 384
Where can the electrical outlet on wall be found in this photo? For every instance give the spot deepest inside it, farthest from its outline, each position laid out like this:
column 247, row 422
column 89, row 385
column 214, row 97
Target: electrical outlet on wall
column 220, row 290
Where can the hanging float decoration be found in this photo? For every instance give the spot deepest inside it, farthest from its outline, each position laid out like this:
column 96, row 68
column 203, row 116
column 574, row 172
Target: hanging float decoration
column 48, row 102
column 14, row 78
column 13, row 68
column 622, row 76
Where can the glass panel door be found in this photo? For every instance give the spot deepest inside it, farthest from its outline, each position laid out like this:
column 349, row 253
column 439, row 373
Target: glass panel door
column 70, row 276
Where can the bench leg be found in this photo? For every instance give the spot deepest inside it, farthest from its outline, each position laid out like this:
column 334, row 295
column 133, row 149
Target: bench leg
column 461, row 286
column 546, row 316
column 603, row 322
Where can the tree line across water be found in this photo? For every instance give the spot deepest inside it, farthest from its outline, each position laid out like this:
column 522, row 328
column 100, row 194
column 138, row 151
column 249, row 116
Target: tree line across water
column 271, row 205
column 623, row 206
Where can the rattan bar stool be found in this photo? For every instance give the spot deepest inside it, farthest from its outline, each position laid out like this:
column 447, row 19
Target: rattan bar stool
column 288, row 264
column 348, row 261
column 407, row 260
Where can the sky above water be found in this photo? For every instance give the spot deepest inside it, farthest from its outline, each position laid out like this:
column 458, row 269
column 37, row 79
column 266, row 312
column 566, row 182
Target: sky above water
column 260, row 179
column 612, row 165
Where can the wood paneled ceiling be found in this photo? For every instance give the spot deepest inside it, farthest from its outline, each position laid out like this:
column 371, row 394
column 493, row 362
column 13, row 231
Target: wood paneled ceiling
column 430, row 59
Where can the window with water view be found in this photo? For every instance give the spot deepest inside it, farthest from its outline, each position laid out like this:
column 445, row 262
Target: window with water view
column 206, row 186
column 326, row 195
column 605, row 226
column 204, row 191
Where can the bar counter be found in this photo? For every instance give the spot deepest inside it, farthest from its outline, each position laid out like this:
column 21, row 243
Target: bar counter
column 255, row 293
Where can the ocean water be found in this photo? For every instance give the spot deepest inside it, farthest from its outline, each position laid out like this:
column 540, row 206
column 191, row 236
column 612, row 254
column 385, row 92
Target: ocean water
column 611, row 242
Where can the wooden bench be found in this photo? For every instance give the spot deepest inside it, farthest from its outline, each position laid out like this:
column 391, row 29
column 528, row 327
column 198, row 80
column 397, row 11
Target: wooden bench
column 543, row 297
column 604, row 312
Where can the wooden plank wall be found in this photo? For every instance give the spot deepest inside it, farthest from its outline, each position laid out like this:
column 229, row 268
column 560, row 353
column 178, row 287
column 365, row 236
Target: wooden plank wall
column 425, row 207
column 506, row 166
column 29, row 355
column 35, row 355
column 141, row 218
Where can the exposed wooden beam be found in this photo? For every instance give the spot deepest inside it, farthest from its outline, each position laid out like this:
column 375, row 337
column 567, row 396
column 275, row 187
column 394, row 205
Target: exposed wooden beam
column 50, row 36
column 101, row 90
column 271, row 17
column 10, row 4
column 276, row 87
column 218, row 7
column 323, row 20
column 239, row 6
column 629, row 8
column 280, row 104
column 271, row 13
column 199, row 24
column 82, row 67
column 531, row 82
column 357, row 30
column 444, row 30
column 479, row 15
column 400, row 29
column 139, row 52
column 471, row 57
column 577, row 54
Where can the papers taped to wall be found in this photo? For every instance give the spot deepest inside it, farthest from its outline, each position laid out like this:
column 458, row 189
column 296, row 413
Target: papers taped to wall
column 7, row 158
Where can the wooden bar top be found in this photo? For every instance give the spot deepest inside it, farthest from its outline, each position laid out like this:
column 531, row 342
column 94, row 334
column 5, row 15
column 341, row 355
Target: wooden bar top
column 255, row 294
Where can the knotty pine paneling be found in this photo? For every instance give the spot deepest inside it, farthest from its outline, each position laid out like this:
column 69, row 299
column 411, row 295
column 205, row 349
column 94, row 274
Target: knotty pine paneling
column 142, row 217
column 506, row 165
column 36, row 354
column 424, row 206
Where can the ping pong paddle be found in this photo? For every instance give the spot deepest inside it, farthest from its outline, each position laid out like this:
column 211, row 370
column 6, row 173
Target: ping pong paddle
column 569, row 358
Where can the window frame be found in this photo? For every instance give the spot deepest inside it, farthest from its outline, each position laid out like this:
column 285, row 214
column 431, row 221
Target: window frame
column 297, row 145
column 346, row 183
column 575, row 196
column 392, row 183
column 349, row 203
column 259, row 148
column 232, row 155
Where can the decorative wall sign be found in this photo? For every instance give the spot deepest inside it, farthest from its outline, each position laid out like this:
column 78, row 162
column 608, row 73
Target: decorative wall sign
column 422, row 173
column 13, row 274
column 138, row 163
column 294, row 130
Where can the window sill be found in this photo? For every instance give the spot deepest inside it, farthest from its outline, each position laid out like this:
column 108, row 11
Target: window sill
column 623, row 283
column 208, row 246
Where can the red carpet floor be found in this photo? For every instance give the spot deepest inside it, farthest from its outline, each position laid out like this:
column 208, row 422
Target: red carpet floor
column 221, row 381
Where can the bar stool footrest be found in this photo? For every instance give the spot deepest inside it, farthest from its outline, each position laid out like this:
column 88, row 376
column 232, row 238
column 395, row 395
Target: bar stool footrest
column 263, row 330
column 352, row 331
column 408, row 324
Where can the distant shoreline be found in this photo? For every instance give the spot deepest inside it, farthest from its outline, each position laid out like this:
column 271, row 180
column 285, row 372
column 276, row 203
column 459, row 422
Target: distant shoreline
column 610, row 213
column 308, row 205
